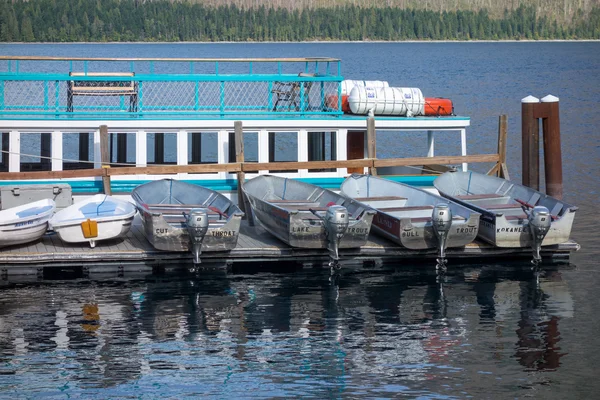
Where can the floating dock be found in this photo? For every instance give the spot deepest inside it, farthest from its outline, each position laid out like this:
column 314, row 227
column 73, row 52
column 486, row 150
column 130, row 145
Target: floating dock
column 255, row 245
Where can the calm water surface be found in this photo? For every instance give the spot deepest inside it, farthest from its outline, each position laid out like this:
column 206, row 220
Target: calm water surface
column 485, row 331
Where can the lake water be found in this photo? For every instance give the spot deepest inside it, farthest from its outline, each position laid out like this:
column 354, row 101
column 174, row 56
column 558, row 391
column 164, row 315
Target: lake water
column 484, row 331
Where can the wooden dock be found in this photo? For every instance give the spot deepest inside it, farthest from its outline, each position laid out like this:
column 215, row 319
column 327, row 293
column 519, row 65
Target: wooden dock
column 255, row 245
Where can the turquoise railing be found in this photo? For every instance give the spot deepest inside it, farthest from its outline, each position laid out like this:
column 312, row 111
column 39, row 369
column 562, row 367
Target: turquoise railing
column 52, row 87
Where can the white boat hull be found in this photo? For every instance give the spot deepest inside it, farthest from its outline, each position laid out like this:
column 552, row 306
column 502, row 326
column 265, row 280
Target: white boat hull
column 26, row 223
column 112, row 216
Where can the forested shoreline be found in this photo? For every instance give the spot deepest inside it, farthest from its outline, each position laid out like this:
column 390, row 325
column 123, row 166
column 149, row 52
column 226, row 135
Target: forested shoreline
column 166, row 21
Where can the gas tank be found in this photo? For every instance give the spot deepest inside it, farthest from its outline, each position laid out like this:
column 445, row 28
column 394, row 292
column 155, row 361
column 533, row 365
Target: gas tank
column 387, row 101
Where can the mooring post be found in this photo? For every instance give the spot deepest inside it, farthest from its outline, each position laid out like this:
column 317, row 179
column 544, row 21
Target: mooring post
column 502, row 140
column 552, row 151
column 371, row 143
column 530, row 143
column 105, row 158
column 241, row 175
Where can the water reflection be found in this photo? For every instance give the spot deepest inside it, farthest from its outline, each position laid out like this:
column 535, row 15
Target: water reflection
column 380, row 331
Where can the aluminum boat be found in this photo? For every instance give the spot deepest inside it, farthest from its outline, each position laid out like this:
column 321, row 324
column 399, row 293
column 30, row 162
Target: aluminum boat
column 512, row 215
column 412, row 217
column 180, row 216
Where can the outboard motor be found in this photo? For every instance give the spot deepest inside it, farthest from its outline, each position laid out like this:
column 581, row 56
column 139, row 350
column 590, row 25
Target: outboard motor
column 336, row 223
column 197, row 226
column 539, row 224
column 441, row 219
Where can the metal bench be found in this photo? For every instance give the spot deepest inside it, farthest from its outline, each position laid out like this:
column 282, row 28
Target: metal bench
column 103, row 88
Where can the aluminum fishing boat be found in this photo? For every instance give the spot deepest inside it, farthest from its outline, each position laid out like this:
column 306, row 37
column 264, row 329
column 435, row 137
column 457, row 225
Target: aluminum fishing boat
column 26, row 223
column 412, row 217
column 512, row 215
column 180, row 216
column 304, row 215
column 100, row 217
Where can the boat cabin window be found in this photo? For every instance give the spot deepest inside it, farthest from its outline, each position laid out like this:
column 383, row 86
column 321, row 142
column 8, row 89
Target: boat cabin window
column 322, row 146
column 34, row 146
column 162, row 148
column 203, row 147
column 283, row 147
column 78, row 146
column 250, row 147
column 4, row 158
column 122, row 148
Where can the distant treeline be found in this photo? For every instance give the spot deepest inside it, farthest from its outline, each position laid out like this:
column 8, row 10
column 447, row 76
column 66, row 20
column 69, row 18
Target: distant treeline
column 135, row 20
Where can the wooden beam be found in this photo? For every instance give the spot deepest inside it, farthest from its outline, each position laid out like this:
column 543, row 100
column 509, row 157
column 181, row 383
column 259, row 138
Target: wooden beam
column 74, row 173
column 105, row 158
column 288, row 166
column 241, row 176
column 371, row 143
column 392, row 162
column 176, row 169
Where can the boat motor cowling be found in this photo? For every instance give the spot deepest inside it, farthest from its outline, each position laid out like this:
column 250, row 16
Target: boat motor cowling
column 197, row 225
column 336, row 223
column 441, row 218
column 539, row 224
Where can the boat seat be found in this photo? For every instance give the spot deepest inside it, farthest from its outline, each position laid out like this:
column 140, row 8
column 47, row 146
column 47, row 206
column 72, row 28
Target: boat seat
column 32, row 211
column 379, row 198
column 516, row 217
column 411, row 208
column 382, row 201
column 302, row 207
column 492, row 206
column 291, row 201
column 427, row 219
column 478, row 196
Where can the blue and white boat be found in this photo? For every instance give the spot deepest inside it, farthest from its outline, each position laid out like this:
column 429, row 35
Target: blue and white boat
column 179, row 115
column 25, row 223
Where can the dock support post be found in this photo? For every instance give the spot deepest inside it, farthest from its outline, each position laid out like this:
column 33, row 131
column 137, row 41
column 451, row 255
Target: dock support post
column 501, row 169
column 105, row 158
column 241, row 175
column 552, row 151
column 371, row 143
column 530, row 145
column 548, row 112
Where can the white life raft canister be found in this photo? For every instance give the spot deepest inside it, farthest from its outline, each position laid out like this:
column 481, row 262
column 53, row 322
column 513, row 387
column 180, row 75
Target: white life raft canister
column 349, row 84
column 387, row 101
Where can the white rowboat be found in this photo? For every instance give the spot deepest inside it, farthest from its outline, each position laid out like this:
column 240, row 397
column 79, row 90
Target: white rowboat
column 26, row 223
column 100, row 217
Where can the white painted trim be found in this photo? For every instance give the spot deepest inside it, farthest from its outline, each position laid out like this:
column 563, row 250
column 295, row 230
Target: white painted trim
column 342, row 150
column 222, row 150
column 463, row 147
column 97, row 159
column 353, row 123
column 56, row 151
column 263, row 148
column 141, row 148
column 14, row 148
column 302, row 150
column 430, row 144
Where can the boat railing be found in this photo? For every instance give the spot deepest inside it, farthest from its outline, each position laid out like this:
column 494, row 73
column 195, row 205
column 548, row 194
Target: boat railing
column 61, row 88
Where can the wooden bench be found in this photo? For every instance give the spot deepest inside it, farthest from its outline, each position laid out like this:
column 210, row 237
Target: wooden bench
column 103, row 88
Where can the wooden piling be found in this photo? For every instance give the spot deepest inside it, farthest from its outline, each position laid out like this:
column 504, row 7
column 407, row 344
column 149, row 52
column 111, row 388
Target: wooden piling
column 530, row 143
column 105, row 158
column 371, row 142
column 241, row 175
column 552, row 150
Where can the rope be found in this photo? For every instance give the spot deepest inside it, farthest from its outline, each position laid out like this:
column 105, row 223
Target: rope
column 102, row 202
